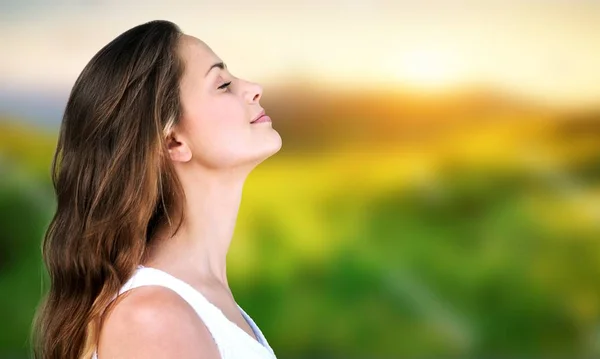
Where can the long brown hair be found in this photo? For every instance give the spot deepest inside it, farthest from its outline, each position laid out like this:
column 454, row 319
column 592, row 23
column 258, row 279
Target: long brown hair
column 113, row 180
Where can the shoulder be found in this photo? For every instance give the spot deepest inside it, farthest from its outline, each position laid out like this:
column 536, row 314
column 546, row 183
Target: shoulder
column 154, row 322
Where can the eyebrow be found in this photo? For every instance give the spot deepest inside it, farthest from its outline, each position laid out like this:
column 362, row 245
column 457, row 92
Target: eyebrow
column 220, row 65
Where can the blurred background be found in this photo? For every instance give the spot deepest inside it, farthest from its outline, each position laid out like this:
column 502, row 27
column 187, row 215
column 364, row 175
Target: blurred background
column 438, row 190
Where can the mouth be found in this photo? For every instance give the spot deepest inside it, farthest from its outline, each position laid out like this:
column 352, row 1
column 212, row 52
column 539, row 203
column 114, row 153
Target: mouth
column 262, row 117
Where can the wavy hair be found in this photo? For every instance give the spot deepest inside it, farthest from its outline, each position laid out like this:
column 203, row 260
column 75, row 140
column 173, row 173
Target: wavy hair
column 114, row 183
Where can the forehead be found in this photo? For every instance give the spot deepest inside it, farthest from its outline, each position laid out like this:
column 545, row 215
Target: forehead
column 197, row 56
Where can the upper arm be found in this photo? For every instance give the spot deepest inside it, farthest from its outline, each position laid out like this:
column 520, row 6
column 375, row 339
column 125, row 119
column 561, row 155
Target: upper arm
column 152, row 323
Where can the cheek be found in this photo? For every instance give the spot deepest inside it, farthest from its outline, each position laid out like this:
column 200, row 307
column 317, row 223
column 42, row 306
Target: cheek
column 215, row 116
column 224, row 119
column 218, row 132
column 225, row 110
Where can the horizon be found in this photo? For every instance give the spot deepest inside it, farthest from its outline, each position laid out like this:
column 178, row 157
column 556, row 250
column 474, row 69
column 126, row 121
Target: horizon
column 44, row 106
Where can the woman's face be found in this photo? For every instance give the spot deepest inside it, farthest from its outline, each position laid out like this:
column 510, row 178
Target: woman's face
column 215, row 130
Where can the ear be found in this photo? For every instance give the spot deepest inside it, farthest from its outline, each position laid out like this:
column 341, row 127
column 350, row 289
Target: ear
column 179, row 150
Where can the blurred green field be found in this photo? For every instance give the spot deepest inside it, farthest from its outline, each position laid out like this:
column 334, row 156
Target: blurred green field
column 482, row 243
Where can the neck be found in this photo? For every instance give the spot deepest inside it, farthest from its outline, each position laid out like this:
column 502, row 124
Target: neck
column 200, row 246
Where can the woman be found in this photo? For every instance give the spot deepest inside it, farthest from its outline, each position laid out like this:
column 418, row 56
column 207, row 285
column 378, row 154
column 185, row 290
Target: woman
column 155, row 144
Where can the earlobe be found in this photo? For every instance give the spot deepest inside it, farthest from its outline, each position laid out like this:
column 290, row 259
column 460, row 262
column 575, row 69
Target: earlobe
column 179, row 151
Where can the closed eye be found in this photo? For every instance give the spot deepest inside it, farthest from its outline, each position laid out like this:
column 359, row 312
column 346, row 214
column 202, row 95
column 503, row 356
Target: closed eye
column 224, row 85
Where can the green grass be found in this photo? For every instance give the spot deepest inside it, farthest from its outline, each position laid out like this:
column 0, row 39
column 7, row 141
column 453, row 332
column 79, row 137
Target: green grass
column 378, row 254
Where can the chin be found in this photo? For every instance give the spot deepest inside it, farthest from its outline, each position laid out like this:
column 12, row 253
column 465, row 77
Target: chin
column 268, row 149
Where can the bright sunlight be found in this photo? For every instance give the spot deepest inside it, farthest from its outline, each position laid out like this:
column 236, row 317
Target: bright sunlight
column 427, row 69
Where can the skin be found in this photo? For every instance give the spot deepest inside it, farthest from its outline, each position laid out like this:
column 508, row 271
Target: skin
column 213, row 149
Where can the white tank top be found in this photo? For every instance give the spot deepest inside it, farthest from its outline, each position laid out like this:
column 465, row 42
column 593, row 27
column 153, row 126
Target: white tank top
column 232, row 341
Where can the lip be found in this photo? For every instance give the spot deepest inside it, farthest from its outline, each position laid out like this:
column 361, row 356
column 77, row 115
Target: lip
column 262, row 119
column 259, row 117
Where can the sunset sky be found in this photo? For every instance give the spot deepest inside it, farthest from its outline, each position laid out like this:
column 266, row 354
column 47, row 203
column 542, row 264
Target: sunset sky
column 546, row 49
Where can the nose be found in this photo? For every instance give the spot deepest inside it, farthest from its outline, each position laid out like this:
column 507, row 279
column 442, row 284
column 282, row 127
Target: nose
column 254, row 92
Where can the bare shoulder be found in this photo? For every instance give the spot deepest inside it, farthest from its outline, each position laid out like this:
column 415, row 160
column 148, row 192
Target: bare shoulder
column 154, row 322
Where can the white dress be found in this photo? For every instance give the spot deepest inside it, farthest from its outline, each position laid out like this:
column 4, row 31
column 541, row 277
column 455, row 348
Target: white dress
column 232, row 341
